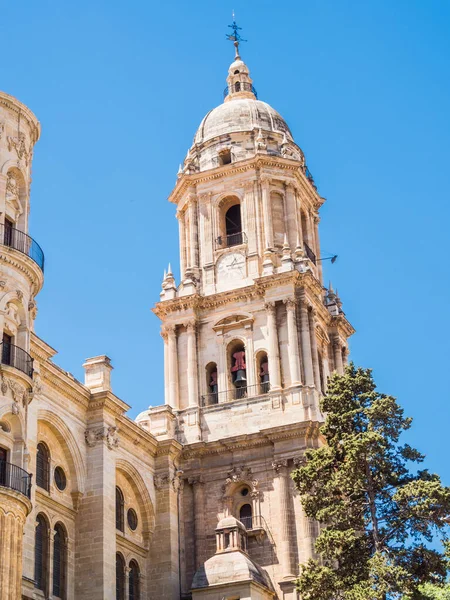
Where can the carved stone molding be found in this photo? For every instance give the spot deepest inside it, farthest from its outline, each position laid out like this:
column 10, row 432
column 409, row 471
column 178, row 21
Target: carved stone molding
column 300, row 461
column 290, row 303
column 108, row 434
column 240, row 474
column 191, row 326
column 17, row 143
column 196, row 480
column 270, row 307
column 161, row 481
column 2, row 129
column 280, row 466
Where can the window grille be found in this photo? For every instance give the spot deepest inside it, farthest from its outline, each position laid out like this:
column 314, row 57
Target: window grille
column 120, row 577
column 59, row 562
column 41, row 553
column 119, row 510
column 42, row 467
column 134, row 591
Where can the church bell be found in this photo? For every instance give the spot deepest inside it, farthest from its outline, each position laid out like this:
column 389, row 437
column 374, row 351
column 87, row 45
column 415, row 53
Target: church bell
column 240, row 377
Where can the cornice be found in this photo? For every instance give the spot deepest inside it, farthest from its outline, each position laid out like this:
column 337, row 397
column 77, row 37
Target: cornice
column 132, row 546
column 40, row 349
column 342, row 324
column 258, row 289
column 138, row 436
column 171, row 448
column 72, row 389
column 265, row 437
column 45, row 500
column 256, row 162
column 21, row 109
column 108, row 401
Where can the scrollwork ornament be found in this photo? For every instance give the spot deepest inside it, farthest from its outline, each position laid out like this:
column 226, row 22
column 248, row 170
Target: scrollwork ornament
column 279, row 465
column 17, row 143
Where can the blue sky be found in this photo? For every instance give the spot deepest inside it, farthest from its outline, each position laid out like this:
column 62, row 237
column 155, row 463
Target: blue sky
column 120, row 89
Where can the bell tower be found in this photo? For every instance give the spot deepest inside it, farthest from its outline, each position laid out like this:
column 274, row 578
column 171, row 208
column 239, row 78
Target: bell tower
column 250, row 319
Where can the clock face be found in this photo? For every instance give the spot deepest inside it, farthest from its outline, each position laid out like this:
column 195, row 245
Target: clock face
column 231, row 268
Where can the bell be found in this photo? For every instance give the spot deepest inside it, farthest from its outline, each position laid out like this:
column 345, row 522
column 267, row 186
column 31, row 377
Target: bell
column 265, row 378
column 240, row 378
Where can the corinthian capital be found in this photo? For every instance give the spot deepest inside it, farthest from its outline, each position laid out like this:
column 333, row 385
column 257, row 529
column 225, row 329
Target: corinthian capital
column 280, row 465
column 290, row 303
column 191, row 326
column 270, row 307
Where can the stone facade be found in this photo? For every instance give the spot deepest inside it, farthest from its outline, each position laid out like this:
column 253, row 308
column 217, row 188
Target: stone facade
column 194, row 498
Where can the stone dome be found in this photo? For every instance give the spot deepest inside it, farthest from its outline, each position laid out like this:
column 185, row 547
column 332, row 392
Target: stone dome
column 228, row 522
column 241, row 115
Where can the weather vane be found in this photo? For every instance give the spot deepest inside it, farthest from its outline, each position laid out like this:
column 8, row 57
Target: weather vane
column 235, row 36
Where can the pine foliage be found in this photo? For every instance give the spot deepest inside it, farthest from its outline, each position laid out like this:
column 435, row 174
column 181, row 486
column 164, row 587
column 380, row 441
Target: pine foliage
column 377, row 515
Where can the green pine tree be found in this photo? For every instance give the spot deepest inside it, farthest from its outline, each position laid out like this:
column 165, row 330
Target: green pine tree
column 377, row 517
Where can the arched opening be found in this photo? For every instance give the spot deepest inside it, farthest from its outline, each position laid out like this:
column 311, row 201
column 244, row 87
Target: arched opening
column 41, row 553
column 238, row 369
column 59, row 561
column 233, row 225
column 133, row 581
column 237, row 86
column 119, row 509
column 120, row 577
column 43, row 466
column 246, row 516
column 262, row 363
column 212, row 383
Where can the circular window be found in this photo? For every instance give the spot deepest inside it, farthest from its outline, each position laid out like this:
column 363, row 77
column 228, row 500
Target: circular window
column 132, row 519
column 60, row 478
column 244, row 492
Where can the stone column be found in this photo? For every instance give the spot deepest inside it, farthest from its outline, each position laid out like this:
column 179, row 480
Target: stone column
column 250, row 221
column 325, row 366
column 316, row 220
column 291, row 215
column 192, row 363
column 274, row 352
column 193, row 232
column 173, row 365
column 314, row 351
column 182, row 234
column 14, row 509
column 199, row 518
column 293, row 345
column 306, row 342
column 164, row 336
column 267, row 212
column 337, row 353
column 284, row 503
column 252, row 378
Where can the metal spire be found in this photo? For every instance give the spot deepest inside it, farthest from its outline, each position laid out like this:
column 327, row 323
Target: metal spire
column 235, row 36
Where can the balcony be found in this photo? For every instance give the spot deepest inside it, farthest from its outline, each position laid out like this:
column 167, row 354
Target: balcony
column 234, row 239
column 20, row 241
column 13, row 356
column 240, row 86
column 15, row 478
column 310, row 254
column 237, row 393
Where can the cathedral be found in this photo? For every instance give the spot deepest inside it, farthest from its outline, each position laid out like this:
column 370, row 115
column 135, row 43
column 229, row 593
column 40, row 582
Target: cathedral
column 194, row 498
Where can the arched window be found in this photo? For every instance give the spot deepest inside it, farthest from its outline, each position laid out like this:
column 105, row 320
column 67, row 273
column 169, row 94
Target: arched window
column 59, row 562
column 43, row 466
column 263, row 372
column 237, row 86
column 246, row 516
column 119, row 510
column 120, row 577
column 133, row 581
column 238, row 369
column 233, row 225
column 41, row 553
column 212, row 384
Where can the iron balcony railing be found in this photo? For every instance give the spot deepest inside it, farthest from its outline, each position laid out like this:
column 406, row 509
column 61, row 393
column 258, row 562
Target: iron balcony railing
column 309, row 176
column 234, row 239
column 15, row 478
column 13, row 356
column 240, row 86
column 9, row 236
column 310, row 254
column 237, row 393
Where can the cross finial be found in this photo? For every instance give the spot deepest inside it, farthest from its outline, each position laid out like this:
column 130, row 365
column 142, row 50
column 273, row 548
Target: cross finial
column 235, row 36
